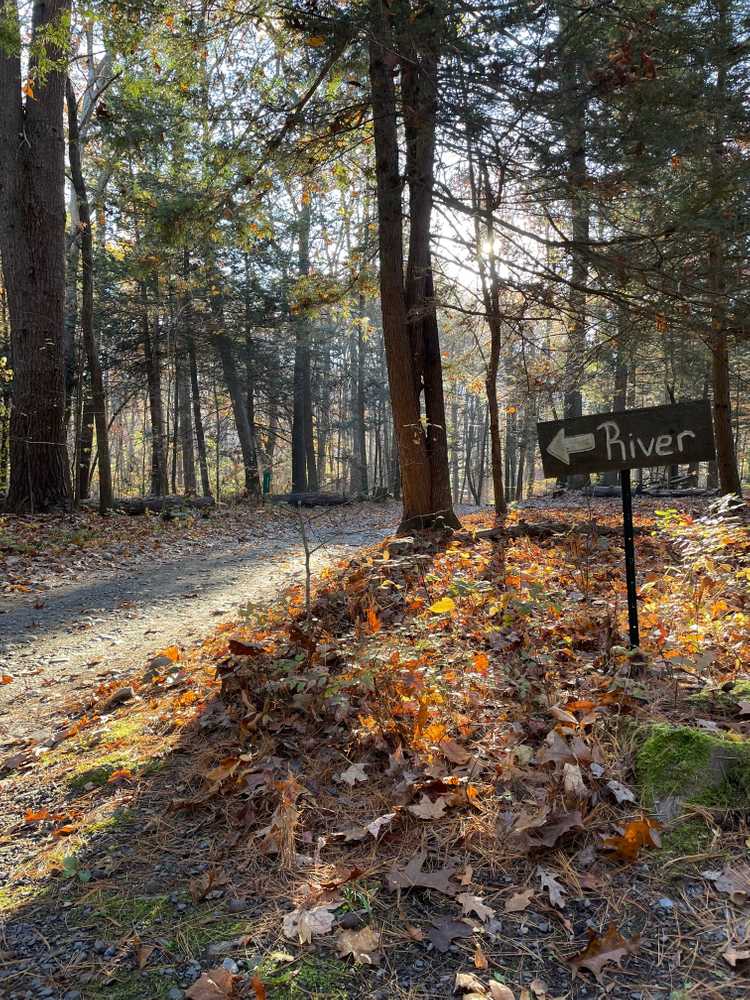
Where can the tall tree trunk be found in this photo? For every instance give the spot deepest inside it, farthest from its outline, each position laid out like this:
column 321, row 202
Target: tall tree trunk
column 32, row 244
column 152, row 352
column 304, row 471
column 726, row 459
column 96, row 381
column 573, row 85
column 85, row 445
column 425, row 484
column 359, row 430
column 184, row 427
column 236, row 387
column 484, row 198
column 200, row 436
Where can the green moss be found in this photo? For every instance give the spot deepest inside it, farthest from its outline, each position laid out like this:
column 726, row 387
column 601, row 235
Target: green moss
column 127, row 728
column 691, row 837
column 718, row 698
column 693, row 765
column 99, row 773
column 192, row 936
column 311, row 978
column 124, row 912
column 13, row 898
column 130, row 986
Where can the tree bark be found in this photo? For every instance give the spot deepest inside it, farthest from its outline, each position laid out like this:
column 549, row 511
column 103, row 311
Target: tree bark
column 726, row 459
column 409, row 331
column 32, row 244
column 96, row 381
column 200, row 436
column 152, row 352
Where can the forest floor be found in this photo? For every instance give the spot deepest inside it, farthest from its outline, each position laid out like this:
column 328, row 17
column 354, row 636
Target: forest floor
column 447, row 777
column 85, row 600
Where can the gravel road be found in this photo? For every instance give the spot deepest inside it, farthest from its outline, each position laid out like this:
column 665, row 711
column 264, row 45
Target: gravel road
column 109, row 622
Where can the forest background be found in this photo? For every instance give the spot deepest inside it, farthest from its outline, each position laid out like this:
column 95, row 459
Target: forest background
column 232, row 230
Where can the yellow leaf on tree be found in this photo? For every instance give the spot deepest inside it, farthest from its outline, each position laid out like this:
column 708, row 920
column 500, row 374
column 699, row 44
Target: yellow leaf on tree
column 28, row 89
column 315, row 41
column 444, row 606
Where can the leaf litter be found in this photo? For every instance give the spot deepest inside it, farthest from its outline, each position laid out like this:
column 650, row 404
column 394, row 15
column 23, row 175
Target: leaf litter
column 452, row 719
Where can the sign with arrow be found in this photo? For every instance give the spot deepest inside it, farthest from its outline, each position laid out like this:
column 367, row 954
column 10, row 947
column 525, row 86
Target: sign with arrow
column 633, row 439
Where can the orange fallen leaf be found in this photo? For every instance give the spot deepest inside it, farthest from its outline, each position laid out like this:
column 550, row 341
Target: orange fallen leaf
column 613, row 947
column 6, row 679
column 373, row 622
column 32, row 816
column 638, row 833
column 121, row 774
column 259, row 988
column 216, row 984
column 481, row 662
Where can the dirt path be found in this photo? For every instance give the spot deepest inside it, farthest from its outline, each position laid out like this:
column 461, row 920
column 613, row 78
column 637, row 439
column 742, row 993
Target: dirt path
column 110, row 620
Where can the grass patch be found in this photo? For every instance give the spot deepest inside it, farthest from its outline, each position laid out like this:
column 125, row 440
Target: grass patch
column 317, row 978
column 693, row 766
column 131, row 986
column 124, row 912
column 127, row 728
column 686, row 839
column 99, row 773
column 718, row 698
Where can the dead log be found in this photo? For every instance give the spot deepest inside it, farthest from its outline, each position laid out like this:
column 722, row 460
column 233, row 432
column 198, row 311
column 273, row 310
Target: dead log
column 311, row 499
column 539, row 529
column 156, row 505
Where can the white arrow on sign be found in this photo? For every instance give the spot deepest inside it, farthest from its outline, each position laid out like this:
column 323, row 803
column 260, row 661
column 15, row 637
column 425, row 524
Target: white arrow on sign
column 562, row 447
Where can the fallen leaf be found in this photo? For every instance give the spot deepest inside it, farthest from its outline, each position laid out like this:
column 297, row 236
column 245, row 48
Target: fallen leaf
column 455, row 753
column 306, row 924
column 443, row 932
column 558, row 824
column 143, row 953
column 474, row 904
column 613, row 947
column 121, row 774
column 621, row 792
column 362, row 945
column 573, row 782
column 555, row 889
column 427, row 809
column 735, row 882
column 744, row 707
column 6, row 679
column 377, row 824
column 353, row 774
column 733, row 955
column 259, row 988
column 414, row 933
column 563, row 716
column 216, row 984
column 638, row 833
column 32, row 816
column 479, row 958
column 499, row 991
column 444, row 606
column 467, row 982
column 412, row 877
column 538, row 987
column 519, row 901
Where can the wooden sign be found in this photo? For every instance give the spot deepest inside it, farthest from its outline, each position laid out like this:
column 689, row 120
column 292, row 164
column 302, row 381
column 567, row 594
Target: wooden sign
column 632, row 439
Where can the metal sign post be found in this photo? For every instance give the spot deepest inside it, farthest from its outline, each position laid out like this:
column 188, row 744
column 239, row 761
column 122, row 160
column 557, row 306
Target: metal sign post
column 632, row 439
column 628, row 536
